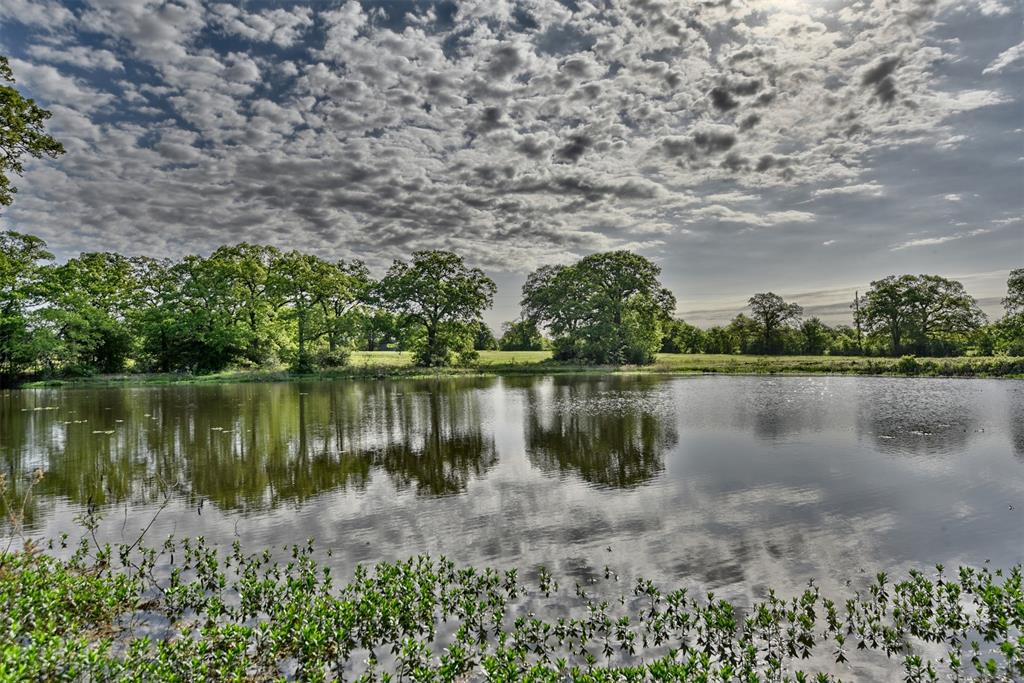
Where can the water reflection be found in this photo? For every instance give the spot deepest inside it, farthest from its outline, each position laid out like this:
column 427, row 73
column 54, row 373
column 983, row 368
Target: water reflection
column 244, row 447
column 1016, row 417
column 773, row 412
column 736, row 483
column 920, row 418
column 438, row 442
column 612, row 432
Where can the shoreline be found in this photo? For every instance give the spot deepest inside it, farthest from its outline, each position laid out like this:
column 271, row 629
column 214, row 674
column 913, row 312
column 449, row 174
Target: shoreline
column 398, row 365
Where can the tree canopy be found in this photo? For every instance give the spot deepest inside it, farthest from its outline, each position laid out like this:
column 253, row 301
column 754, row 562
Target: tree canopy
column 521, row 335
column 249, row 305
column 771, row 312
column 605, row 308
column 1014, row 301
column 21, row 133
column 922, row 313
column 442, row 298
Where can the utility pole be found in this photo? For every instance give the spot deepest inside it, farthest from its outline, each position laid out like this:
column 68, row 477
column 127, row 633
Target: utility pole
column 856, row 320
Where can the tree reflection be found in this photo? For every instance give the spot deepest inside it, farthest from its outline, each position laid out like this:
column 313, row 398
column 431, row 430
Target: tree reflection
column 439, row 442
column 1015, row 394
column 243, row 446
column 611, row 432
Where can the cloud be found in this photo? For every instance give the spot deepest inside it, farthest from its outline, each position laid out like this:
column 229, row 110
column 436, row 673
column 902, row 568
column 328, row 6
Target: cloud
column 727, row 215
column 515, row 133
column 37, row 13
column 879, row 77
column 872, row 189
column 1012, row 57
column 77, row 55
column 278, row 26
column 934, row 241
column 50, row 84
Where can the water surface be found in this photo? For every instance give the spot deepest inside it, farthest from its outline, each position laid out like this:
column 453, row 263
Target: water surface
column 730, row 484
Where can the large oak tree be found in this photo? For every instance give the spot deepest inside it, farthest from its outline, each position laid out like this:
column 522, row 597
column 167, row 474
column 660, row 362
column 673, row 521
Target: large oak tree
column 605, row 308
column 438, row 294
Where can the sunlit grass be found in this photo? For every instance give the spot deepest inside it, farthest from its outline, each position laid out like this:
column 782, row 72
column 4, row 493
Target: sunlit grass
column 400, row 364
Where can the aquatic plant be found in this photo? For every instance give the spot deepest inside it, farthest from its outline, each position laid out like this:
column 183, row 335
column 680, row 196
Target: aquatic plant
column 189, row 610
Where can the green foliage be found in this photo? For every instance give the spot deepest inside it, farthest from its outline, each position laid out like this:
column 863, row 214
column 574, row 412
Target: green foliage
column 606, row 308
column 21, row 133
column 21, row 258
column 771, row 314
column 746, row 334
column 440, row 299
column 483, row 337
column 815, row 337
column 246, row 272
column 908, row 365
column 254, row 306
column 230, row 615
column 1014, row 301
column 318, row 296
column 88, row 303
column 719, row 340
column 680, row 337
column 924, row 313
column 521, row 335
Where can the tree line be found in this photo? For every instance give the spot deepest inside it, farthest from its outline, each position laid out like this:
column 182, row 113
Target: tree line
column 924, row 315
column 249, row 305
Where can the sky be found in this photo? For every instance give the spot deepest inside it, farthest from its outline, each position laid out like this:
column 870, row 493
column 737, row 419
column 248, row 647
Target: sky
column 803, row 147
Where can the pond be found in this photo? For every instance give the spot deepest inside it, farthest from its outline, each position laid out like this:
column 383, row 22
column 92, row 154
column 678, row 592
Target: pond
column 731, row 484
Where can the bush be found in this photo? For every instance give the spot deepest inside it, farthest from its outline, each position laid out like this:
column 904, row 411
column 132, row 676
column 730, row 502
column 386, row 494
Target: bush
column 332, row 359
column 908, row 365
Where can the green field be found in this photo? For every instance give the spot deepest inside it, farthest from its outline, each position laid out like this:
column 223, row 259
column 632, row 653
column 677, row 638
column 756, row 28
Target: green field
column 403, row 359
column 375, row 364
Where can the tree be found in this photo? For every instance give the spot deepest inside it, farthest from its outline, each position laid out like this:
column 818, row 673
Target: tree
column 154, row 322
column 933, row 312
column 379, row 329
column 247, row 271
column 318, row 295
column 718, row 339
column 483, row 337
column 815, row 337
column 520, row 335
column 771, row 313
column 21, row 259
column 200, row 313
column 1009, row 330
column 680, row 337
column 605, row 308
column 88, row 300
column 1014, row 301
column 887, row 309
column 858, row 321
column 21, row 133
column 744, row 333
column 438, row 294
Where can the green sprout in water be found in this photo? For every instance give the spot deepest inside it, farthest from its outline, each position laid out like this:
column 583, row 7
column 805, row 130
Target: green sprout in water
column 192, row 611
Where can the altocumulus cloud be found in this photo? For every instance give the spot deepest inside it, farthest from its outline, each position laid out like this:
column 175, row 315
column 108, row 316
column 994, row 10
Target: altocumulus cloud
column 517, row 133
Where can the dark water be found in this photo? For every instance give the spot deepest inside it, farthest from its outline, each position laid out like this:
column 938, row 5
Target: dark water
column 727, row 483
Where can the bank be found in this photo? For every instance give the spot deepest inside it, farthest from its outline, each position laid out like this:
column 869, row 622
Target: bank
column 398, row 364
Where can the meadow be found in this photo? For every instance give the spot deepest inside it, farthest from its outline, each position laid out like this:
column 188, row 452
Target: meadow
column 362, row 364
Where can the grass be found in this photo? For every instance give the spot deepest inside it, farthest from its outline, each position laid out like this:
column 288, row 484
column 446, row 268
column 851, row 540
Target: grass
column 376, row 364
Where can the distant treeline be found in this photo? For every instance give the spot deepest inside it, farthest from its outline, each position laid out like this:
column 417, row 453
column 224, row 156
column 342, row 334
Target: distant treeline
column 923, row 315
column 252, row 305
